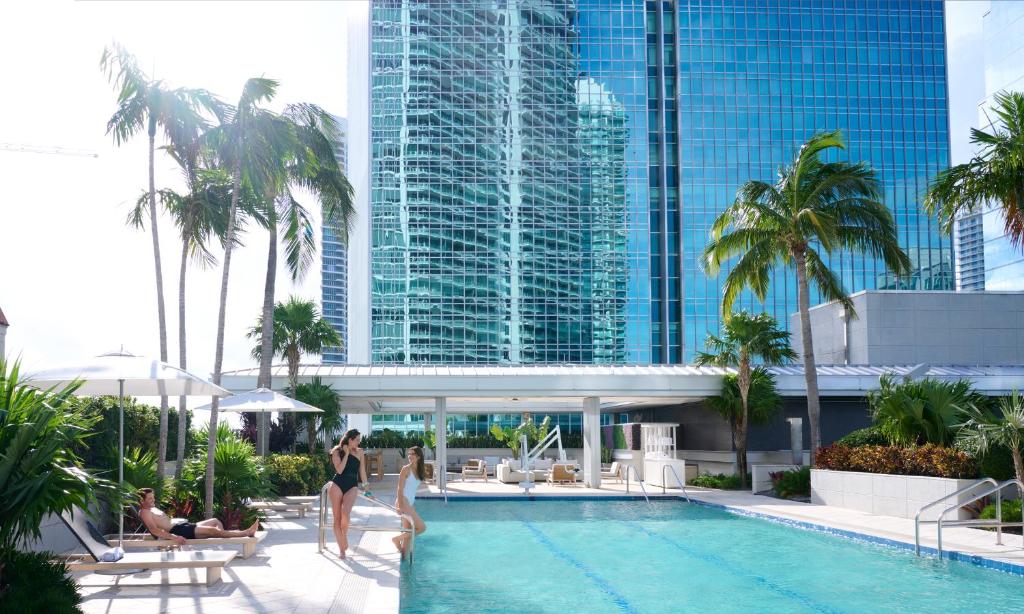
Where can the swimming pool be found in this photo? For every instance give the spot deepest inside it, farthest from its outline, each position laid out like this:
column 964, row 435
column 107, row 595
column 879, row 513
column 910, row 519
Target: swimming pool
column 671, row 556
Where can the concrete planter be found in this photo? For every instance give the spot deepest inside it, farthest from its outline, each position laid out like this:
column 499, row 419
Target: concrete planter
column 885, row 494
column 761, row 478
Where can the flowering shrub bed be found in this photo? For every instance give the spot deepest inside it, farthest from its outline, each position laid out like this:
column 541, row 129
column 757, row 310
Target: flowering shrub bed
column 927, row 460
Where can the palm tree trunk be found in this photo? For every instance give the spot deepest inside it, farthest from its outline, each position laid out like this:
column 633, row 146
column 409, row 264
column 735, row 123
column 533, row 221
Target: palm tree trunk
column 293, row 381
column 1018, row 463
column 218, row 360
column 740, row 440
column 182, row 362
column 267, row 330
column 161, row 462
column 810, row 369
column 311, row 432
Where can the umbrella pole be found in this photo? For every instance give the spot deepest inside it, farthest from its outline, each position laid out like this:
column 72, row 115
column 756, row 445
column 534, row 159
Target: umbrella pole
column 120, row 462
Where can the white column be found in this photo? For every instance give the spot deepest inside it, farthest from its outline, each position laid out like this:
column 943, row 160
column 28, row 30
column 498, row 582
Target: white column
column 592, row 442
column 441, row 418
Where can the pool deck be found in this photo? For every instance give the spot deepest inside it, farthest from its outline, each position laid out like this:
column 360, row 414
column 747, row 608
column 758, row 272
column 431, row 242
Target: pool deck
column 287, row 574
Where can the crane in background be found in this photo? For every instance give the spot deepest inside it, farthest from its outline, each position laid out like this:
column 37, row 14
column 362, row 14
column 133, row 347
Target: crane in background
column 60, row 151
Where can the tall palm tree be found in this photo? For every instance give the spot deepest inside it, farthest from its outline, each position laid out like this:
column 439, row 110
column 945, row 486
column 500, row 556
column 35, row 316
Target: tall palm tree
column 746, row 339
column 298, row 329
column 995, row 175
column 249, row 142
column 984, row 429
column 814, row 208
column 311, row 164
column 143, row 102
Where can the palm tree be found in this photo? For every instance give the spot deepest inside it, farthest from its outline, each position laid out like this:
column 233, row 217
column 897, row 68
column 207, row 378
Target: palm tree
column 814, row 208
column 760, row 406
column 983, row 429
column 310, row 163
column 995, row 175
column 248, row 142
column 912, row 413
column 144, row 102
column 746, row 339
column 321, row 396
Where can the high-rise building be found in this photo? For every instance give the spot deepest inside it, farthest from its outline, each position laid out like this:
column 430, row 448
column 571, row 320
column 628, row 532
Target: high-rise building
column 334, row 270
column 543, row 174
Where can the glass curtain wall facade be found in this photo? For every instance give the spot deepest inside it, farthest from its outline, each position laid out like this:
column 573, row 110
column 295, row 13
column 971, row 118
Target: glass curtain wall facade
column 545, row 173
column 334, row 270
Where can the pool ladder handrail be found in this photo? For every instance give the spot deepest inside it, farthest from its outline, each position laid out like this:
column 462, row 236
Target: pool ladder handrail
column 994, row 488
column 322, row 522
column 638, row 481
column 664, row 480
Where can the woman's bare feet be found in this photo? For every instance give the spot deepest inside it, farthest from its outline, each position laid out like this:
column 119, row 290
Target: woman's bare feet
column 397, row 541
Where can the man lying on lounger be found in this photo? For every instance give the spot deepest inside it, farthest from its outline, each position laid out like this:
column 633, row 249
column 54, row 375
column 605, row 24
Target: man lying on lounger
column 160, row 525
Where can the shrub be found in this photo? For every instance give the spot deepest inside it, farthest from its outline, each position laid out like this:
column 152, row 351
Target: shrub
column 296, row 474
column 141, row 428
column 1011, row 511
column 794, row 483
column 997, row 463
column 921, row 411
column 720, row 481
column 927, row 460
column 870, row 436
column 31, row 582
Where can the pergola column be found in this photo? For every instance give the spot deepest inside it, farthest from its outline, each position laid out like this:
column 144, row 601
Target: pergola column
column 592, row 442
column 441, row 418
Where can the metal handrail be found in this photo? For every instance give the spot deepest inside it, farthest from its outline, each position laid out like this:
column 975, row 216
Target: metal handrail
column 917, row 518
column 322, row 542
column 997, row 490
column 680, row 482
column 638, row 481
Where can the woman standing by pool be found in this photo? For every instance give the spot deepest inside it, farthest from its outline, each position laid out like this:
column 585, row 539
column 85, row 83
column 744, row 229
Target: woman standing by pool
column 351, row 471
column 409, row 480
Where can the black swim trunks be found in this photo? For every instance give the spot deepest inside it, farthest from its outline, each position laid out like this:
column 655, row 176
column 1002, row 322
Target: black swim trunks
column 185, row 529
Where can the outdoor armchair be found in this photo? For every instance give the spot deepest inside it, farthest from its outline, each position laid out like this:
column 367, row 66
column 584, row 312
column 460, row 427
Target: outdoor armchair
column 476, row 468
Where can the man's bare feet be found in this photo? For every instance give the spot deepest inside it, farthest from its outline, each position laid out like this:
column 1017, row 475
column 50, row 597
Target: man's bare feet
column 253, row 528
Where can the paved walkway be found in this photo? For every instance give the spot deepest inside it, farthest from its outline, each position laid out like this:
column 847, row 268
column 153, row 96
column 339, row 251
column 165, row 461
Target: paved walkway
column 285, row 575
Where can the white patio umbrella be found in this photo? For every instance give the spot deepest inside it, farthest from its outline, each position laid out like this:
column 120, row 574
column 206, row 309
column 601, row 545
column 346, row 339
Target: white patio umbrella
column 263, row 401
column 121, row 373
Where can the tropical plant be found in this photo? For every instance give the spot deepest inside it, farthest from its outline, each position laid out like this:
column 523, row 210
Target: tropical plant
column 309, row 162
column 746, row 339
column 995, row 175
column 867, row 436
column 298, row 329
column 34, row 582
column 239, row 473
column 143, row 102
column 921, row 411
column 1011, row 511
column 296, row 474
column 814, row 209
column 791, row 484
column 928, row 460
column 139, row 467
column 323, row 397
column 762, row 405
column 984, row 429
column 720, row 481
column 512, row 436
column 248, row 142
column 40, row 472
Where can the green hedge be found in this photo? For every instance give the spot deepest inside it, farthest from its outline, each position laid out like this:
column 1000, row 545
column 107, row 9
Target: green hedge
column 298, row 474
column 720, row 481
column 928, row 460
column 141, row 429
column 870, row 436
column 793, row 483
column 1011, row 511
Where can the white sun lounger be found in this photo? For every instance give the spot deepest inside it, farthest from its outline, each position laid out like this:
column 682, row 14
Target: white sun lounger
column 300, row 508
column 143, row 541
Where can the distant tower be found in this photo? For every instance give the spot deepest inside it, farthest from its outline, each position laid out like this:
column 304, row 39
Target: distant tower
column 334, row 270
column 3, row 332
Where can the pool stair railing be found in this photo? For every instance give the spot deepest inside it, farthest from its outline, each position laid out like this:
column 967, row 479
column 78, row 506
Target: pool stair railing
column 994, row 488
column 629, row 468
column 324, row 526
column 664, row 480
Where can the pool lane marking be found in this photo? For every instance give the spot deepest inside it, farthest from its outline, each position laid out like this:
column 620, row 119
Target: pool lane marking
column 721, row 563
column 594, row 577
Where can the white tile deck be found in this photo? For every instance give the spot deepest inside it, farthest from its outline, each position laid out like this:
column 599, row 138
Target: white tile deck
column 287, row 574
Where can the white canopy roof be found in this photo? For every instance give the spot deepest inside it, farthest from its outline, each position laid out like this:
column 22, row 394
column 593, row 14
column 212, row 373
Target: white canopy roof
column 262, row 400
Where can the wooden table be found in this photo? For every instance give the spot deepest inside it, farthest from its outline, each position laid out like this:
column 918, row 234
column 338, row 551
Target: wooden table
column 374, row 463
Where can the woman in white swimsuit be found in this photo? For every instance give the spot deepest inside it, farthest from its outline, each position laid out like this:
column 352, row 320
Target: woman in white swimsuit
column 409, row 480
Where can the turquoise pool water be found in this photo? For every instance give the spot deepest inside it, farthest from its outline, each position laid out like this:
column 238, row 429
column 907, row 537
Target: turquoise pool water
column 671, row 556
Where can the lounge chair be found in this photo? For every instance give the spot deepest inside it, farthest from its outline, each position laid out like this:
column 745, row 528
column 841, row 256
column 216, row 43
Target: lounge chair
column 476, row 468
column 613, row 473
column 137, row 542
column 561, row 474
column 213, row 561
column 298, row 507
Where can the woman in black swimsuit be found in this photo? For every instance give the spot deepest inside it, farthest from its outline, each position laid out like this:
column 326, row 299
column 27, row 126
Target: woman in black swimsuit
column 351, row 471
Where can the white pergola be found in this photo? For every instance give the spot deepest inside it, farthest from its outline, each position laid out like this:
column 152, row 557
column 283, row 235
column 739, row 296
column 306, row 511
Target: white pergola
column 588, row 389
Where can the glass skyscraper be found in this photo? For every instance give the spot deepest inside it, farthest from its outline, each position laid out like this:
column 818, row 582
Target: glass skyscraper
column 334, row 271
column 544, row 173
